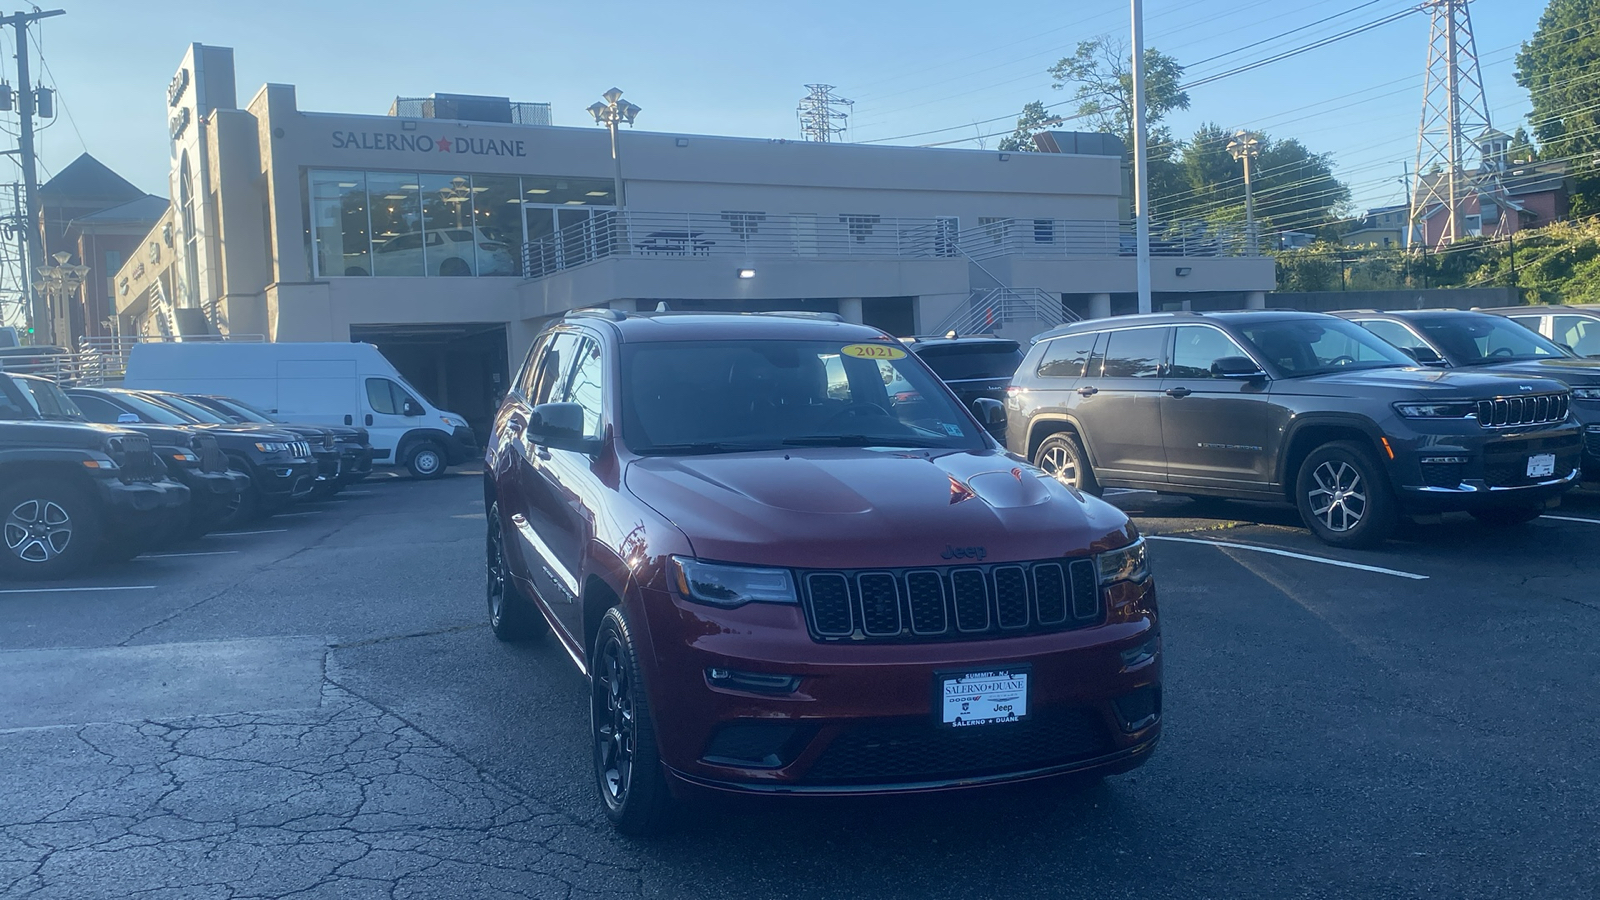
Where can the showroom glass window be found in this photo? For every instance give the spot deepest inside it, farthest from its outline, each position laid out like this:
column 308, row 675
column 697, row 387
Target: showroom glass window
column 448, row 247
column 497, row 216
column 339, row 223
column 397, row 237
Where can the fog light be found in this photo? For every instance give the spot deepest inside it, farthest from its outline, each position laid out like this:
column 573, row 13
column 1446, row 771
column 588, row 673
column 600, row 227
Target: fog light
column 1138, row 656
column 757, row 745
column 283, row 473
column 756, row 682
column 1593, row 429
column 1139, row 709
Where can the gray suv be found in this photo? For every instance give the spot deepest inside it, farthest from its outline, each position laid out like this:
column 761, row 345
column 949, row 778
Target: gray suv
column 1298, row 407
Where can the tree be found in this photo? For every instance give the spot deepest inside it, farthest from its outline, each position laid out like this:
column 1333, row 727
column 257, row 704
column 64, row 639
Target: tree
column 1101, row 73
column 1566, row 107
column 1294, row 188
column 1521, row 149
column 1034, row 118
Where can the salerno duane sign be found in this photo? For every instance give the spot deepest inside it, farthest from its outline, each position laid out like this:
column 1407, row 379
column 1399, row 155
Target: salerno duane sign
column 422, row 143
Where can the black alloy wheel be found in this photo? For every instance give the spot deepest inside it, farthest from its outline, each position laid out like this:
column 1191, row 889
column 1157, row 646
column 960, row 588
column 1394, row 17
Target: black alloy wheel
column 1061, row 457
column 627, row 765
column 46, row 531
column 426, row 460
column 1344, row 497
column 511, row 616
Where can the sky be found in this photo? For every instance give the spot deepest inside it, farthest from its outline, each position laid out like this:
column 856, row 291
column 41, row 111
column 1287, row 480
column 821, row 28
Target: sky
column 739, row 68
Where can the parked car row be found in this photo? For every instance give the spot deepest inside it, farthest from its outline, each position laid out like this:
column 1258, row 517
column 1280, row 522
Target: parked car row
column 96, row 474
column 1361, row 419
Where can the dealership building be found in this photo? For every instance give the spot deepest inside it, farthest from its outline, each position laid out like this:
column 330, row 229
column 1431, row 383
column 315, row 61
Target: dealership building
column 450, row 230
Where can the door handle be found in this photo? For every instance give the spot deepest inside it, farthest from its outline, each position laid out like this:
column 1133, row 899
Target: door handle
column 542, row 452
column 349, row 420
column 369, row 418
column 1088, row 391
column 1179, row 392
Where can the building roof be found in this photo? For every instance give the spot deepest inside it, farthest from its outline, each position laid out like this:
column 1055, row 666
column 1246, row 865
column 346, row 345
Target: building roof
column 87, row 178
column 146, row 210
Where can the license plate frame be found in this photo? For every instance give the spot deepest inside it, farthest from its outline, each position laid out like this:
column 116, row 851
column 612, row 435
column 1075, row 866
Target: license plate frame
column 1541, row 465
column 1009, row 685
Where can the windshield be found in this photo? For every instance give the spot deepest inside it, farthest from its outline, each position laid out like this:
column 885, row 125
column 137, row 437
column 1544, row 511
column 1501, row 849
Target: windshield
column 12, row 404
column 1321, row 345
column 47, row 399
column 990, row 359
column 1479, row 339
column 725, row 396
column 243, row 410
column 192, row 409
column 153, row 411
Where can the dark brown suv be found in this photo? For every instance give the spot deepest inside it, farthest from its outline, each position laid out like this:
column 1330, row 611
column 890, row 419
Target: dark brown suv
column 782, row 576
column 1303, row 407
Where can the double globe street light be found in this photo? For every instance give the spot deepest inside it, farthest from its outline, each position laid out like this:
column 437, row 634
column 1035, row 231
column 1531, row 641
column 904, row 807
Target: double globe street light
column 58, row 284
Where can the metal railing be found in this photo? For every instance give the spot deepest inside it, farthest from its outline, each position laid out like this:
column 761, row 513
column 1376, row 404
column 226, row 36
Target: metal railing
column 1082, row 239
column 744, row 236
column 987, row 311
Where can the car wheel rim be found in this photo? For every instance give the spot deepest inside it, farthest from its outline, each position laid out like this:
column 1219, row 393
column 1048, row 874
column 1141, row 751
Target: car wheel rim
column 1338, row 496
column 613, row 714
column 1059, row 463
column 38, row 531
column 496, row 574
column 427, row 461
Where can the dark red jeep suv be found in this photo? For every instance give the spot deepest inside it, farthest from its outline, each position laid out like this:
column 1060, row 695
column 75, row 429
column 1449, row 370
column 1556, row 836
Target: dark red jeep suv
column 790, row 562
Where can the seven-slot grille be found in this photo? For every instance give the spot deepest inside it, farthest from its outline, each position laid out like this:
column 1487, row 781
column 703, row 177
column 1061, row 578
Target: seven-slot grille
column 1534, row 409
column 211, row 458
column 300, row 448
column 951, row 603
column 139, row 462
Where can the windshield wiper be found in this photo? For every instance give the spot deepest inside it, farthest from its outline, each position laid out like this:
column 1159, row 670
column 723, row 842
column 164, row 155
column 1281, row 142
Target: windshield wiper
column 692, row 447
column 862, row 440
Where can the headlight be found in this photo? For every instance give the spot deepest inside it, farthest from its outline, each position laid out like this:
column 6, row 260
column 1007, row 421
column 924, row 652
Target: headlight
column 271, row 446
column 115, row 450
column 452, row 422
column 1589, row 393
column 1123, row 564
column 1436, row 410
column 730, row 586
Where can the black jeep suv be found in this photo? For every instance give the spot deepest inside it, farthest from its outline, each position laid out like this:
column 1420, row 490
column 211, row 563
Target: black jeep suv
column 72, row 493
column 1450, row 339
column 352, row 442
column 1303, row 407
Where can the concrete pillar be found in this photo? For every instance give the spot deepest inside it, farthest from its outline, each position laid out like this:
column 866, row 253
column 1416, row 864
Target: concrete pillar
column 1099, row 306
column 850, row 309
column 1255, row 300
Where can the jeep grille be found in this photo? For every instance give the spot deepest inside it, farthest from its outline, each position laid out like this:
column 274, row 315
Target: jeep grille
column 1534, row 409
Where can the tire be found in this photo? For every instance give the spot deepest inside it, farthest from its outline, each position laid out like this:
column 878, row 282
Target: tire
column 426, row 460
column 628, row 774
column 242, row 510
column 1062, row 452
column 1344, row 497
column 1507, row 517
column 512, row 617
column 47, row 530
column 454, row 266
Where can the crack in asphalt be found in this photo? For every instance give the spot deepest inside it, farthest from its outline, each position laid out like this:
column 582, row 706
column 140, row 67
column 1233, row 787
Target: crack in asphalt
column 349, row 799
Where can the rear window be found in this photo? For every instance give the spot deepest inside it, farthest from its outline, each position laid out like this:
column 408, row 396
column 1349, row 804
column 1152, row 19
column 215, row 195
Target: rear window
column 957, row 362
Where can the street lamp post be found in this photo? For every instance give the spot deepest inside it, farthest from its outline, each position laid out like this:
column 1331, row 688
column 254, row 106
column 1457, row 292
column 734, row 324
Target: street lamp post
column 1245, row 147
column 57, row 284
column 611, row 113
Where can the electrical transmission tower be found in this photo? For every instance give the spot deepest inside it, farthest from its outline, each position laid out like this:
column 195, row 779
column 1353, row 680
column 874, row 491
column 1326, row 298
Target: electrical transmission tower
column 822, row 114
column 1454, row 117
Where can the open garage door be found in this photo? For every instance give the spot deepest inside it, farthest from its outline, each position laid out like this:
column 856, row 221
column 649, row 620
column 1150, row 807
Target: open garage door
column 461, row 367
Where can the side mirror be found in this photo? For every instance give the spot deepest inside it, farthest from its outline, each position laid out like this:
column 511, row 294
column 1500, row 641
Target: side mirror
column 560, row 426
column 1426, row 356
column 1235, row 367
column 410, row 409
column 989, row 411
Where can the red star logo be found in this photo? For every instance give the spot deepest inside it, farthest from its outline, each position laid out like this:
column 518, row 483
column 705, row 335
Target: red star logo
column 444, row 145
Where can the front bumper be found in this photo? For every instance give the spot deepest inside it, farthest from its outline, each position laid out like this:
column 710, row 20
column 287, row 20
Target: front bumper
column 212, row 492
column 1591, row 453
column 130, row 500
column 1464, row 467
column 328, row 465
column 861, row 719
column 281, row 481
column 355, row 462
column 462, row 446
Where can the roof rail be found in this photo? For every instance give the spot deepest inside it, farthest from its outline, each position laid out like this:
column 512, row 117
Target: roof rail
column 801, row 314
column 599, row 312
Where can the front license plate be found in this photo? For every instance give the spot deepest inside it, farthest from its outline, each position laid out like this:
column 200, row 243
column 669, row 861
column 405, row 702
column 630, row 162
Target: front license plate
column 982, row 698
column 1541, row 465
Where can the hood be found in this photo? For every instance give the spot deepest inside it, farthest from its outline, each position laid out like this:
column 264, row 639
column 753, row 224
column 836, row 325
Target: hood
column 162, row 435
column 1572, row 371
column 251, row 430
column 1433, row 383
column 863, row 507
column 37, row 432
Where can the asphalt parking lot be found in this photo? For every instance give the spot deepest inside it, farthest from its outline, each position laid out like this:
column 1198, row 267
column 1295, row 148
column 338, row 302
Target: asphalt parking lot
column 317, row 709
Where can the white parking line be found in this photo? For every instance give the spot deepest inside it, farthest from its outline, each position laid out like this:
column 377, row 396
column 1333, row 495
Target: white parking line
column 243, row 533
column 121, row 587
column 1276, row 552
column 1572, row 519
column 195, row 553
column 309, row 512
column 354, row 493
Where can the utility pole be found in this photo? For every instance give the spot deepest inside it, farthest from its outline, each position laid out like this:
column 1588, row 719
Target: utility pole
column 1245, row 147
column 43, row 324
column 819, row 120
column 1141, row 174
column 1454, row 117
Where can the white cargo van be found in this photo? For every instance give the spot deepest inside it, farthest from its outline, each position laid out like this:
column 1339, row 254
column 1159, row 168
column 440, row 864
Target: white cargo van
column 315, row 383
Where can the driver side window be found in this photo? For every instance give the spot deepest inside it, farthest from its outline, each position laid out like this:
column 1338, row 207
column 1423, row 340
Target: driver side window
column 388, row 398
